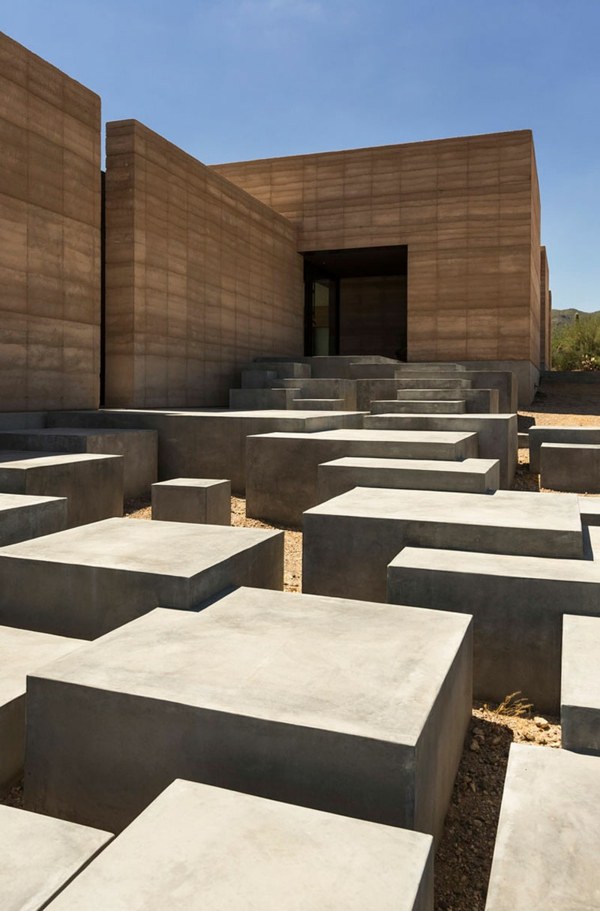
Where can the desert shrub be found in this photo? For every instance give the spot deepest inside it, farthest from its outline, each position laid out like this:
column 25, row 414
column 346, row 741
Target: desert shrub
column 576, row 345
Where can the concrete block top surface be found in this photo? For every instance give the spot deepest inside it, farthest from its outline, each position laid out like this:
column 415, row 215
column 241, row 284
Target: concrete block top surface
column 353, row 667
column 504, row 508
column 504, row 565
column 39, row 855
column 10, row 501
column 22, row 651
column 392, row 436
column 191, row 482
column 580, row 678
column 446, row 417
column 162, row 548
column 569, row 446
column 24, row 460
column 210, row 849
column 546, row 852
column 467, row 465
column 53, row 432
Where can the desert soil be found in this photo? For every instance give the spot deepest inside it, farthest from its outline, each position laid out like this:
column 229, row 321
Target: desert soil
column 464, row 855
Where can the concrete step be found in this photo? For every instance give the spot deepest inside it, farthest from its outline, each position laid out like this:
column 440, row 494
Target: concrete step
column 260, row 399
column 325, row 389
column 259, row 379
column 477, row 401
column 435, row 395
column 433, row 369
column 318, row 404
column 446, row 406
column 281, row 368
column 427, row 382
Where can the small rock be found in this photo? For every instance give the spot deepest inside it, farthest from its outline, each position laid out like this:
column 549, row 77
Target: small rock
column 478, row 823
column 541, row 723
column 474, row 746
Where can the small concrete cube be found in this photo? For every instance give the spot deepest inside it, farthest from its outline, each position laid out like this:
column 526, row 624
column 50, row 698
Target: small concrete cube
column 200, row 848
column 206, row 501
column 344, row 706
column 580, row 685
column 546, row 852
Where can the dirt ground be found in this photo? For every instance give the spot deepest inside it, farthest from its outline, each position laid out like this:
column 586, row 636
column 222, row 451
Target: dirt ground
column 464, row 855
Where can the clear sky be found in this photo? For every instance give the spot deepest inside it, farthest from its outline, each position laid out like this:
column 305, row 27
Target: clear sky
column 234, row 79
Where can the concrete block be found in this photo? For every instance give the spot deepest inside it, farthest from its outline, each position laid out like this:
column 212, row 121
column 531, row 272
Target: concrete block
column 211, row 443
column 589, row 509
column 325, row 389
column 517, row 604
column 548, row 832
column 258, row 379
column 352, row 708
column 23, row 517
column 406, row 406
column 537, row 435
column 89, row 580
column 349, row 541
column 429, row 384
column 258, row 399
column 497, row 433
column 477, row 401
column 425, row 395
column 470, row 476
column 200, row 847
column 523, row 440
column 580, row 685
column 319, row 404
column 92, row 484
column 570, row 466
column 21, row 651
column 138, row 448
column 282, row 468
column 283, row 368
column 203, row 500
column 40, row 856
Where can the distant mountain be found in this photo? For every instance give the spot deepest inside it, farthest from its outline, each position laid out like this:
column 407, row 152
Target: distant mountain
column 564, row 317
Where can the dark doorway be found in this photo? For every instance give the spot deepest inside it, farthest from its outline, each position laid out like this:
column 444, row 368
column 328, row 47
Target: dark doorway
column 355, row 301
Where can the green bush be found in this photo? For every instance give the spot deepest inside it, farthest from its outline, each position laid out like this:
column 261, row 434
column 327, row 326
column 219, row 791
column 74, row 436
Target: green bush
column 576, row 345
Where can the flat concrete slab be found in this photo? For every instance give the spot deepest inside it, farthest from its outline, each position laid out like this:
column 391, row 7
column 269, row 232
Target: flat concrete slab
column 546, row 852
column 570, row 466
column 580, row 685
column 139, row 449
column 209, row 443
column 349, row 541
column 89, row 580
column 92, row 484
column 23, row 517
column 201, row 848
column 544, row 434
column 40, row 856
column 470, row 476
column 205, row 500
column 497, row 433
column 353, row 708
column 282, row 474
column 21, row 651
column 517, row 604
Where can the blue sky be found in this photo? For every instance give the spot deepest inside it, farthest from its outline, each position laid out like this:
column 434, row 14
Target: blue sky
column 233, row 79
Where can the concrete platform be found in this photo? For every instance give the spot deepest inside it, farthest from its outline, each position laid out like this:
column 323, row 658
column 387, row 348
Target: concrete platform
column 352, row 708
column 92, row 484
column 138, row 448
column 40, row 856
column 199, row 848
column 282, row 479
column 89, row 580
column 541, row 434
column 580, row 685
column 23, row 517
column 210, row 443
column 470, row 476
column 349, row 541
column 546, row 853
column 21, row 651
column 199, row 500
column 446, row 406
column 517, row 604
column 497, row 433
column 570, row 466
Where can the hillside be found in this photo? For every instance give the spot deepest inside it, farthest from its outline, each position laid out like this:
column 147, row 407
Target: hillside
column 564, row 317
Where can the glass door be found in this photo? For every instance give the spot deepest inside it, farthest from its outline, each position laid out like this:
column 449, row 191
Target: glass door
column 321, row 329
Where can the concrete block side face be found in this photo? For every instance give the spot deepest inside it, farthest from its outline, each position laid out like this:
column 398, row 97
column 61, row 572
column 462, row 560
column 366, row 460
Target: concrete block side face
column 260, row 565
column 99, row 758
column 93, row 488
column 209, row 503
column 440, row 745
column 540, row 434
column 33, row 520
column 12, row 742
column 570, row 467
column 580, row 729
column 580, row 684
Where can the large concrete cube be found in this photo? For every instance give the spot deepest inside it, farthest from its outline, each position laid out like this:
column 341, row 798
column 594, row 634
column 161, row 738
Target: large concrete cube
column 497, row 433
column 517, row 604
column 201, row 848
column 203, row 500
column 469, row 476
column 546, row 852
column 23, row 517
column 570, row 466
column 139, row 449
column 92, row 484
column 89, row 580
column 21, row 651
column 40, row 856
column 580, row 685
column 349, row 707
column 349, row 541
column 282, row 468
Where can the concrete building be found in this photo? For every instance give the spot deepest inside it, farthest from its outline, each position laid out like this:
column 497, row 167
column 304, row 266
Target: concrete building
column 423, row 252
